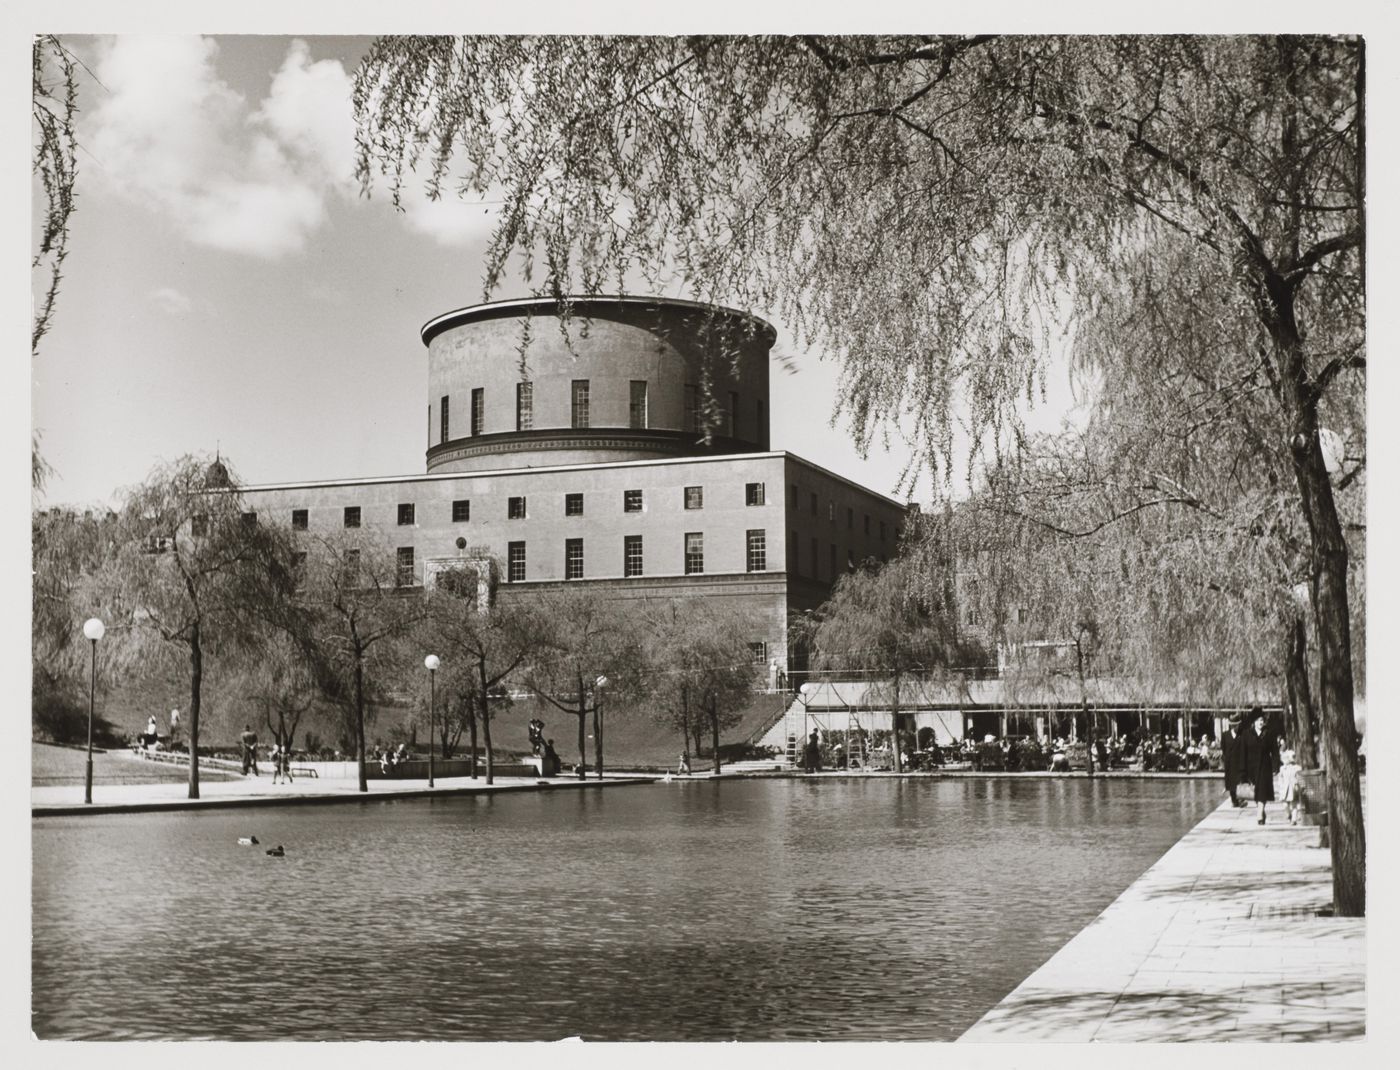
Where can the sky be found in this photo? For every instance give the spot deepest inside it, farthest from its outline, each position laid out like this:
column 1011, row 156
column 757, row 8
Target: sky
column 228, row 285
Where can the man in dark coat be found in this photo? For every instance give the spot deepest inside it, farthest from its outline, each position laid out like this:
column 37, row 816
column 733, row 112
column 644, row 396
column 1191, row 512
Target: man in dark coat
column 1259, row 758
column 1232, row 757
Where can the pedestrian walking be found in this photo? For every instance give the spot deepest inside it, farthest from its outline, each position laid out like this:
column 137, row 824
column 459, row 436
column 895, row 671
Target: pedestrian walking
column 1260, row 759
column 276, row 763
column 1232, row 756
column 1288, row 784
column 683, row 768
column 249, row 739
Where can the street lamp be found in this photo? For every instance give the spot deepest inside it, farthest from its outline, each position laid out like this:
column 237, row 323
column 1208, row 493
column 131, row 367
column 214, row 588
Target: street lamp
column 431, row 663
column 94, row 629
column 598, row 686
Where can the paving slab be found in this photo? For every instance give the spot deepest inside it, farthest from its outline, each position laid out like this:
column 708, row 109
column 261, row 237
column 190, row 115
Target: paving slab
column 1221, row 940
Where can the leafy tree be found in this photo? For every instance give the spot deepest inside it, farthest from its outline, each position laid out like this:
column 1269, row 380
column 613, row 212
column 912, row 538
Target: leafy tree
column 277, row 679
column 584, row 636
column 882, row 623
column 699, row 670
column 1011, row 181
column 191, row 572
column 350, row 613
column 491, row 641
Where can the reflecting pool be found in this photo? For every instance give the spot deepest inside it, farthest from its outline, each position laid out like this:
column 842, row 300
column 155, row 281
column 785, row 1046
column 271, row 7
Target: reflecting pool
column 834, row 909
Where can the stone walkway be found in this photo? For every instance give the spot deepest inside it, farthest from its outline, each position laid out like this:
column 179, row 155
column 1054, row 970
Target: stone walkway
column 1219, row 941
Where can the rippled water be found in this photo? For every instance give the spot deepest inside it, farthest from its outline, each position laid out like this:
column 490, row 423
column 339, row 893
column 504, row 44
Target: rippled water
column 749, row 910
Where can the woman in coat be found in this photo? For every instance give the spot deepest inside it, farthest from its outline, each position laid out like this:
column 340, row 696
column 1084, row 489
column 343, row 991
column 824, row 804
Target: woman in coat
column 1259, row 759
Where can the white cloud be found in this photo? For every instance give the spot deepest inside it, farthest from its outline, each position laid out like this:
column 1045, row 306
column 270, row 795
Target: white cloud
column 170, row 301
column 451, row 220
column 171, row 132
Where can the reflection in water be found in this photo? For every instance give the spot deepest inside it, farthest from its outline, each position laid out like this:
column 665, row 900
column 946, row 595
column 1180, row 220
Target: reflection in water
column 755, row 910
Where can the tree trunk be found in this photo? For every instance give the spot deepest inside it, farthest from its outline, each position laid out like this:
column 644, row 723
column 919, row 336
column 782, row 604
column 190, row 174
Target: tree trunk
column 1346, row 831
column 1301, row 725
column 360, row 719
column 471, row 727
column 714, row 731
column 582, row 714
column 196, row 682
column 486, row 726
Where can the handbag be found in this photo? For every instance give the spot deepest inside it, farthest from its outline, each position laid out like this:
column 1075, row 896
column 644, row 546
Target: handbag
column 1244, row 791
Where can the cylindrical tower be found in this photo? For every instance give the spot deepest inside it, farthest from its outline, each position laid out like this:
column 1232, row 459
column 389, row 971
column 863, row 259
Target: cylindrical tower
column 626, row 378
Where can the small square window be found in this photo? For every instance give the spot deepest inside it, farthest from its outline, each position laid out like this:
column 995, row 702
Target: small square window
column 515, row 562
column 250, row 520
column 352, row 516
column 461, row 510
column 515, row 509
column 298, row 519
column 573, row 559
column 753, row 494
column 199, row 525
column 695, row 497
column 631, row 501
column 405, row 514
column 573, row 505
column 632, row 555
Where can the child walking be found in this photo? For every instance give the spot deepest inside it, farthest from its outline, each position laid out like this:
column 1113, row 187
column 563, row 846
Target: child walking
column 1288, row 784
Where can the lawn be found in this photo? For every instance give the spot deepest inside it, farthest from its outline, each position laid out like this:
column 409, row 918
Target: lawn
column 52, row 764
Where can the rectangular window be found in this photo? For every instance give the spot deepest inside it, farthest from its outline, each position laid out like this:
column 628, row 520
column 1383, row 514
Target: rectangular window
column 631, row 501
column 461, row 511
column 515, row 509
column 793, row 564
column 478, row 411
column 694, row 553
column 759, row 652
column 298, row 561
column 692, row 407
column 515, row 562
column 403, row 575
column 882, row 531
column 443, row 423
column 352, row 516
column 199, row 525
column 352, row 567
column 298, row 519
column 731, row 413
column 637, row 407
column 250, row 520
column 814, row 504
column 580, row 403
column 524, row 406
column 1020, row 614
column 753, row 494
column 573, row 505
column 792, row 496
column 757, row 541
column 867, row 523
column 850, row 519
column 695, row 497
column 850, row 558
column 831, row 511
column 573, row 559
column 406, row 512
column 815, row 573
column 833, row 561
column 632, row 555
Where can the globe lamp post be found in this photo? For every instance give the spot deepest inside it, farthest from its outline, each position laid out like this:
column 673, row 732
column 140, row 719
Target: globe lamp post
column 94, row 629
column 598, row 686
column 431, row 663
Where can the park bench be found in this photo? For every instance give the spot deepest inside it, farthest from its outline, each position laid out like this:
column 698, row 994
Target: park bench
column 304, row 770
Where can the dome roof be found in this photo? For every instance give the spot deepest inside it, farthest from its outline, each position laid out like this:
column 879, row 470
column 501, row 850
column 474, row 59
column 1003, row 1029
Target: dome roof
column 216, row 475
